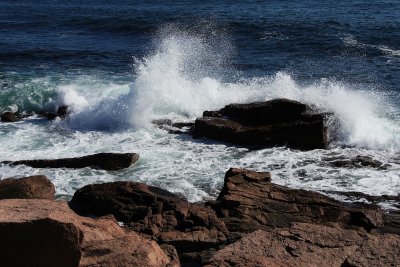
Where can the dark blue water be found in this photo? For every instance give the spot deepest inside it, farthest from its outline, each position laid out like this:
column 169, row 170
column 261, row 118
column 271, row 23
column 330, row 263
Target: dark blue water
column 352, row 41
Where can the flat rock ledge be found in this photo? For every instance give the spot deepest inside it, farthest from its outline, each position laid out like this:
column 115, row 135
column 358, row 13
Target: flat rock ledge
column 278, row 122
column 104, row 161
column 37, row 232
column 305, row 244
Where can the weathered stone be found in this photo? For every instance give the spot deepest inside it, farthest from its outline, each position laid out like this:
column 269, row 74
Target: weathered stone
column 62, row 112
column 37, row 186
column 47, row 233
column 358, row 162
column 310, row 245
column 273, row 111
column 174, row 127
column 11, row 117
column 154, row 212
column 278, row 122
column 105, row 161
column 249, row 201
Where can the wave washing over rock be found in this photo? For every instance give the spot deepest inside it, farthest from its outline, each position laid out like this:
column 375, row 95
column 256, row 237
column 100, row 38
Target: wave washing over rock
column 299, row 102
column 174, row 81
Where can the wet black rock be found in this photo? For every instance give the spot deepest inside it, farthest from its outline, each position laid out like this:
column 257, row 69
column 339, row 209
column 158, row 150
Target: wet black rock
column 279, row 122
column 105, row 161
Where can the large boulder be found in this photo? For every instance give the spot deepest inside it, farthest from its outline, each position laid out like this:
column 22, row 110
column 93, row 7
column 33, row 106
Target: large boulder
column 37, row 186
column 48, row 233
column 310, row 245
column 155, row 212
column 279, row 122
column 105, row 161
column 249, row 201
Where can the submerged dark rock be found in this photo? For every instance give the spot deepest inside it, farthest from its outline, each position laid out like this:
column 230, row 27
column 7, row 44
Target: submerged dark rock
column 105, row 161
column 38, row 187
column 279, row 122
column 174, row 127
column 358, row 162
column 11, row 117
column 62, row 112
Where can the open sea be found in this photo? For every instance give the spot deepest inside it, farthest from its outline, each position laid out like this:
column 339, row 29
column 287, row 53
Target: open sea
column 121, row 64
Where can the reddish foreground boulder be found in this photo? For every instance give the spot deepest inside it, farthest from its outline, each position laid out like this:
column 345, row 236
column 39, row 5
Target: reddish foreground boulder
column 47, row 233
column 37, row 186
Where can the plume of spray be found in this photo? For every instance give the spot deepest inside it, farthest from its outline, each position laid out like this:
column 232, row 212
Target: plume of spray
column 188, row 72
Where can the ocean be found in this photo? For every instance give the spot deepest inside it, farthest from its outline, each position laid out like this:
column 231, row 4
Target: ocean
column 119, row 65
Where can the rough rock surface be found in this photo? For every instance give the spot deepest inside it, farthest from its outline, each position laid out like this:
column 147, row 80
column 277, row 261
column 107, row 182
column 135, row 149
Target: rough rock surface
column 174, row 127
column 279, row 122
column 358, row 162
column 155, row 212
column 11, row 117
column 47, row 233
column 62, row 112
column 310, row 245
column 249, row 201
column 105, row 161
column 37, row 186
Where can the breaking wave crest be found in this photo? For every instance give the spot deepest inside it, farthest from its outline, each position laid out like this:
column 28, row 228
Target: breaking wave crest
column 188, row 73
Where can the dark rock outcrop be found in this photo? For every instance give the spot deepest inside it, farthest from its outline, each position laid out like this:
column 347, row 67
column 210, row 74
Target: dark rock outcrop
column 38, row 187
column 11, row 117
column 155, row 212
column 105, row 161
column 358, row 162
column 62, row 112
column 174, row 127
column 249, row 201
column 279, row 122
column 310, row 245
column 47, row 233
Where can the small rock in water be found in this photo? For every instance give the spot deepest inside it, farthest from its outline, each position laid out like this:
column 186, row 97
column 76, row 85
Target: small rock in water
column 105, row 161
column 173, row 127
column 358, row 162
column 11, row 117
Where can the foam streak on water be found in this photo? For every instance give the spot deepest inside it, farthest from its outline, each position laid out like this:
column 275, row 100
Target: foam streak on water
column 175, row 81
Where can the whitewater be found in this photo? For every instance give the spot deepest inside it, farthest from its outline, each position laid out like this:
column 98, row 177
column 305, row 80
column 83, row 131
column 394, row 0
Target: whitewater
column 181, row 77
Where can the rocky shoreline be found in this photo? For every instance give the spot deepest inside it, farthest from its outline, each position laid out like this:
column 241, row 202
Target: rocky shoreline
column 253, row 222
